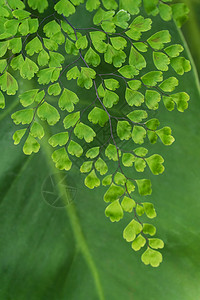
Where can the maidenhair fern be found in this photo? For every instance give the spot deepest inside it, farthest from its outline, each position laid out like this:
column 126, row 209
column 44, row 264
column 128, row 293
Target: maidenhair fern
column 37, row 45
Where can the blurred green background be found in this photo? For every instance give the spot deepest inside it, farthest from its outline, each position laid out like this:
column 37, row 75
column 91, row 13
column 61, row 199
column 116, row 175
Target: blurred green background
column 40, row 255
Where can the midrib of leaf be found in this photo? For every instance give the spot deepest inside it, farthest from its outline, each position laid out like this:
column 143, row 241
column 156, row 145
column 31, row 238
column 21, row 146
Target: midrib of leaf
column 192, row 26
column 196, row 77
column 73, row 218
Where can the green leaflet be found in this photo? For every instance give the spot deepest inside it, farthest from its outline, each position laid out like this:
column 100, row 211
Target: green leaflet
column 138, row 134
column 85, row 77
column 152, row 257
column 134, row 97
column 165, row 11
column 85, row 132
column 92, row 4
column 98, row 116
column 156, row 243
column 24, row 116
column 144, row 186
column 165, row 135
column 93, row 152
column 132, row 6
column 98, row 38
column 92, row 181
column 3, row 48
column 135, row 85
column 37, row 130
column 81, row 42
column 115, row 57
column 158, row 39
column 180, row 65
column 149, row 210
column 152, row 98
column 2, row 100
column 86, row 167
column 34, row 46
column 119, row 178
column 155, row 164
column 180, row 13
column 65, row 7
column 128, row 71
column 112, row 153
column 110, row 99
column 136, row 59
column 49, row 113
column 71, row 119
column 149, row 229
column 128, row 204
column 75, row 149
column 114, row 110
column 67, row 100
column 152, row 78
column 174, row 50
column 74, row 73
column 61, row 159
column 131, row 230
column 55, row 59
column 43, row 58
column 101, row 166
column 119, row 43
column 138, row 26
column 48, row 75
column 15, row 45
column 8, row 84
column 137, row 115
column 59, row 139
column 111, row 84
column 39, row 5
column 140, row 164
column 114, row 211
column 138, row 243
column 124, row 130
column 169, row 84
column 20, row 14
column 28, row 69
column 151, row 7
column 128, row 159
column 31, row 146
column 161, row 61
column 113, row 193
column 54, row 89
column 92, row 58
column 18, row 135
column 28, row 97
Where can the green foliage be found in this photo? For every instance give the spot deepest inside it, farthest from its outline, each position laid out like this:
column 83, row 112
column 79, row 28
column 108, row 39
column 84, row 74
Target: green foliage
column 115, row 39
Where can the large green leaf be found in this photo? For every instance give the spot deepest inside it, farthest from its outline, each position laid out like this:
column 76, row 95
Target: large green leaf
column 56, row 242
